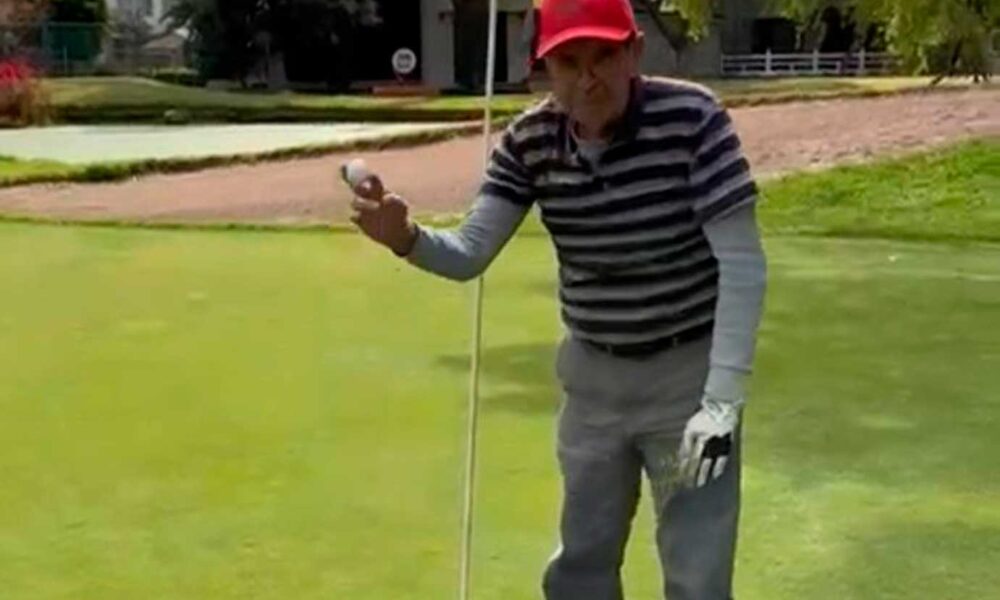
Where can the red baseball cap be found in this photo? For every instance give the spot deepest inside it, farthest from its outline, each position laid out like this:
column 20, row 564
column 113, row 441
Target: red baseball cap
column 563, row 20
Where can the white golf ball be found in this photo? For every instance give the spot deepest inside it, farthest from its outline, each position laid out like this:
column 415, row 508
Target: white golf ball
column 356, row 171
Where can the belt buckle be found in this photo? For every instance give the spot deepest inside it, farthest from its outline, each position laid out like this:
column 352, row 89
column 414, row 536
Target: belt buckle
column 641, row 350
column 610, row 350
column 629, row 352
column 605, row 348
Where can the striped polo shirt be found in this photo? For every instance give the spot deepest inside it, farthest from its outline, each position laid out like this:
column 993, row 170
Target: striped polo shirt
column 635, row 267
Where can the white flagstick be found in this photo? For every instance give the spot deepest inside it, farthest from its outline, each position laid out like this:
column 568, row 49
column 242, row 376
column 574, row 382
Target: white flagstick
column 477, row 335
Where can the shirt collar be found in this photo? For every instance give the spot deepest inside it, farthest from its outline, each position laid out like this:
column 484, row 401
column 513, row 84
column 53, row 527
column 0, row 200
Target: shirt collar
column 628, row 127
column 625, row 129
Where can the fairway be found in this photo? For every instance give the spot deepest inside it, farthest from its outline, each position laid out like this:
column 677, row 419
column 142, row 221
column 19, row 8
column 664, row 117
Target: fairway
column 234, row 415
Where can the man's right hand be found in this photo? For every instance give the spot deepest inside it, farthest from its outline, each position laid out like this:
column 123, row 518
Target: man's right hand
column 382, row 216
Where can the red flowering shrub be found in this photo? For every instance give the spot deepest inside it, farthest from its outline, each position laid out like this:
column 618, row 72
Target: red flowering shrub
column 22, row 100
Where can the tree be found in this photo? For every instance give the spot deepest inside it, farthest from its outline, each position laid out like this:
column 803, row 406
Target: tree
column 130, row 32
column 316, row 37
column 75, row 30
column 78, row 11
column 231, row 37
column 22, row 11
column 941, row 37
column 17, row 13
column 222, row 34
column 680, row 22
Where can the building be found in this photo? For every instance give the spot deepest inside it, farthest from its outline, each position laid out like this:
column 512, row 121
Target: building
column 452, row 41
column 449, row 40
column 145, row 42
column 449, row 37
column 150, row 11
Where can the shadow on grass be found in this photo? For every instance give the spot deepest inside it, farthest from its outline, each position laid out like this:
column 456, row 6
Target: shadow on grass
column 517, row 378
column 890, row 383
column 912, row 559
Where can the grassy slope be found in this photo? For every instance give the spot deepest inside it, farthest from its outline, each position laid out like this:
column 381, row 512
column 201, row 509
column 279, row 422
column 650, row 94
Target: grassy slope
column 14, row 170
column 949, row 194
column 953, row 193
column 115, row 99
column 99, row 99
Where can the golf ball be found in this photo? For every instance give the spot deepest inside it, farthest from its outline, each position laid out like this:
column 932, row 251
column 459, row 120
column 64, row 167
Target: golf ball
column 356, row 172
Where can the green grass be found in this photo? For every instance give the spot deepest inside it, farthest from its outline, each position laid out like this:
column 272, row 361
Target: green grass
column 948, row 194
column 106, row 91
column 232, row 415
column 190, row 414
column 752, row 91
column 13, row 171
column 118, row 99
column 97, row 99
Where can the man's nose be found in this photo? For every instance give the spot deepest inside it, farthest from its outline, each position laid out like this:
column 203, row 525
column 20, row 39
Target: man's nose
column 588, row 78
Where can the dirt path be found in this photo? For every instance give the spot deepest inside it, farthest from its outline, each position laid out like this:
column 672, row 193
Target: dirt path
column 444, row 177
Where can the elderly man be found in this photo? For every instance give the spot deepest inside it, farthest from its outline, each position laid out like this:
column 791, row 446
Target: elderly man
column 645, row 191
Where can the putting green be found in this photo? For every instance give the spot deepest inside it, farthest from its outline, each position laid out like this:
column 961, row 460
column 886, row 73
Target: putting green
column 233, row 415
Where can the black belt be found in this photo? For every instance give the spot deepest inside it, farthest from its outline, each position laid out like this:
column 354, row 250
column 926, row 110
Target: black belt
column 643, row 349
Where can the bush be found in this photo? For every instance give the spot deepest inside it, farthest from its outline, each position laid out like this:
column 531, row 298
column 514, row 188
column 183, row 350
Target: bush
column 22, row 100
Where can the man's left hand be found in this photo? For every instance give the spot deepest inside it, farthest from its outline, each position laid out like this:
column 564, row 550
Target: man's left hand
column 708, row 442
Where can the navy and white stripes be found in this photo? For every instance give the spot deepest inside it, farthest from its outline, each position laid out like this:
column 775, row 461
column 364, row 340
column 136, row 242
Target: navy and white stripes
column 635, row 265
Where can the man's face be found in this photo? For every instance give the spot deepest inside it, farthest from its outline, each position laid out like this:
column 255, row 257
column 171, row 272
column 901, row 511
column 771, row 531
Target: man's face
column 591, row 79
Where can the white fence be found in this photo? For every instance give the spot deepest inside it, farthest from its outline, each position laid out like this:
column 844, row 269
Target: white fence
column 816, row 63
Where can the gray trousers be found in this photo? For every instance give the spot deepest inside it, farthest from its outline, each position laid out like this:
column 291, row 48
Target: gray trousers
column 620, row 417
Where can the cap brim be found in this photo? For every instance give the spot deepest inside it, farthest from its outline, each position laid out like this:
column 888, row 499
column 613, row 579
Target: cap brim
column 609, row 34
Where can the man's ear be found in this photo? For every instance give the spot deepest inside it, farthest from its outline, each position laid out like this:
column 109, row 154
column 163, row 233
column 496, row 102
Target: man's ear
column 638, row 47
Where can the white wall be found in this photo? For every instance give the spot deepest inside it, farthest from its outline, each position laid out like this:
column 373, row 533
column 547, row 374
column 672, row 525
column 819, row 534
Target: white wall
column 703, row 59
column 437, row 47
column 518, row 48
column 438, row 44
column 151, row 10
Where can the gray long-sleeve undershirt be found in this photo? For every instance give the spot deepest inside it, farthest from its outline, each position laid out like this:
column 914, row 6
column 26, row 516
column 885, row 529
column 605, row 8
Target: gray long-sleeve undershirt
column 466, row 252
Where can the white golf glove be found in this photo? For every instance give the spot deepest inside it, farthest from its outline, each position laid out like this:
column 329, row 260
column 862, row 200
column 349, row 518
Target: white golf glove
column 708, row 442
